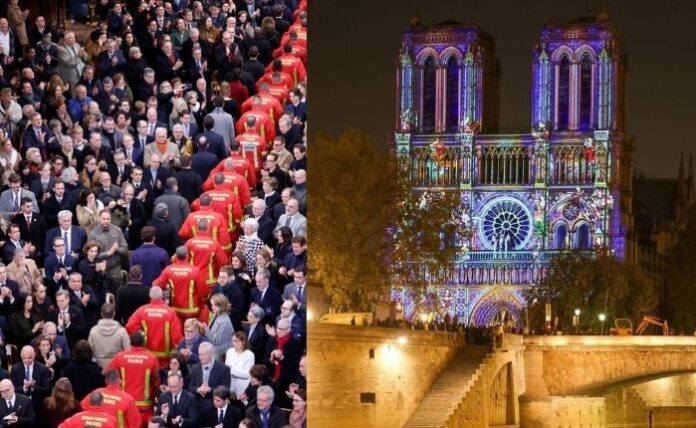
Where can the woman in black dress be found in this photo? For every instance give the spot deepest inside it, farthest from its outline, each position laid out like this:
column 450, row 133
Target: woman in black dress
column 84, row 374
column 23, row 322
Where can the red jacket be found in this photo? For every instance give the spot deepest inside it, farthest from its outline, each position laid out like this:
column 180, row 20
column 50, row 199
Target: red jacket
column 216, row 222
column 253, row 148
column 280, row 91
column 119, row 404
column 226, row 203
column 269, row 104
column 241, row 165
column 293, row 66
column 264, row 124
column 138, row 368
column 234, row 182
column 285, row 79
column 188, row 292
column 207, row 254
column 161, row 326
column 96, row 417
column 298, row 50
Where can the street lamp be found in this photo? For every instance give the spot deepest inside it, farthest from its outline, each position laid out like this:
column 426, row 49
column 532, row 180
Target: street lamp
column 576, row 320
column 602, row 318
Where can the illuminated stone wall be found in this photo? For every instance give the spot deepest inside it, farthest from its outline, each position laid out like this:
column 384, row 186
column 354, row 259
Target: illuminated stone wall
column 350, row 363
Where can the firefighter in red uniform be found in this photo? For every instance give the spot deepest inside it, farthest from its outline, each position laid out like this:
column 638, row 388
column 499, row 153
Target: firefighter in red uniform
column 291, row 65
column 160, row 325
column 218, row 224
column 277, row 69
column 96, row 416
column 206, row 253
column 264, row 124
column 241, row 165
column 269, row 103
column 138, row 368
column 252, row 145
column 117, row 403
column 298, row 48
column 188, row 293
column 225, row 202
column 229, row 180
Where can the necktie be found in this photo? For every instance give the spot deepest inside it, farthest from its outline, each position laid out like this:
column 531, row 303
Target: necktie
column 16, row 202
column 264, row 420
column 287, row 221
column 221, row 416
column 65, row 238
column 27, row 373
column 206, row 374
column 176, row 400
column 150, row 129
column 299, row 293
column 9, row 406
column 120, row 170
column 28, row 222
column 128, row 154
column 60, row 262
column 142, row 140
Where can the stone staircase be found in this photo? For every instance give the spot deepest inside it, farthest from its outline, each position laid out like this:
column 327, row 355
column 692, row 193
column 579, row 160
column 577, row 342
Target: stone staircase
column 450, row 388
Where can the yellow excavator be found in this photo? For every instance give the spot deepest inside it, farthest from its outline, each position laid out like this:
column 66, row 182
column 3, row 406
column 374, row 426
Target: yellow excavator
column 624, row 326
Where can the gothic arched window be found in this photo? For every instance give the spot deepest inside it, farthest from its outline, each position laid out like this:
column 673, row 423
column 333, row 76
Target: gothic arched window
column 429, row 73
column 563, row 105
column 582, row 238
column 452, row 112
column 560, row 236
column 585, row 92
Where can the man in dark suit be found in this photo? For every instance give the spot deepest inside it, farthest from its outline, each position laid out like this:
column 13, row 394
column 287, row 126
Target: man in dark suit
column 198, row 67
column 203, row 161
column 156, row 175
column 82, row 296
column 76, row 235
column 216, row 144
column 190, row 126
column 120, row 172
column 131, row 295
column 190, row 183
column 288, row 358
column 256, row 333
column 253, row 66
column 143, row 189
column 207, row 375
column 31, row 378
column 36, row 135
column 111, row 60
column 265, row 297
column 142, row 138
column 266, row 223
column 58, row 266
column 69, row 319
column 165, row 233
column 32, row 228
column 136, row 214
column 132, row 153
column 57, row 202
column 42, row 186
column 223, row 414
column 178, row 406
column 9, row 290
column 265, row 410
column 13, row 243
column 18, row 405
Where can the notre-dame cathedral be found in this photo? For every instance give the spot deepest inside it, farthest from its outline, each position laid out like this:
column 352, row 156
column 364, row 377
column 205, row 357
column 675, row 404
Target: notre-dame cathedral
column 561, row 183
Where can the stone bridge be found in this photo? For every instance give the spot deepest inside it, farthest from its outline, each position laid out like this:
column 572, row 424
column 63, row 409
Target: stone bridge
column 388, row 377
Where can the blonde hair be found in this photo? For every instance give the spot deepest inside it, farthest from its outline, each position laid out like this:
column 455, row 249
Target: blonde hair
column 221, row 301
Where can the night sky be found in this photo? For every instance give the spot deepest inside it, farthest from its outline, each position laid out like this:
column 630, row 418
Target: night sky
column 354, row 44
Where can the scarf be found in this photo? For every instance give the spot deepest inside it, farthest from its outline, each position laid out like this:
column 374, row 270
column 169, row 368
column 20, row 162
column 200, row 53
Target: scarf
column 282, row 341
column 163, row 147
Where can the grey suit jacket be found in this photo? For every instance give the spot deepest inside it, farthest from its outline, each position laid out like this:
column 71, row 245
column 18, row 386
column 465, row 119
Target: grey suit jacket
column 178, row 207
column 6, row 202
column 220, row 334
column 70, row 65
column 298, row 224
column 224, row 125
column 291, row 289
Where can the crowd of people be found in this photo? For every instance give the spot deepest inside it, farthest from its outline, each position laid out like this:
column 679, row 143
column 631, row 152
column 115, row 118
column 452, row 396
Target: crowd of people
column 153, row 214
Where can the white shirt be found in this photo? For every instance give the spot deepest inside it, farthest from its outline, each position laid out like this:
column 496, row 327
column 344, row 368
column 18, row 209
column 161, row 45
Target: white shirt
column 239, row 365
column 5, row 42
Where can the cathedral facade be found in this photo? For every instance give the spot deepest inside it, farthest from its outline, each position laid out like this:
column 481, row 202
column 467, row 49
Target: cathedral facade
column 561, row 184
